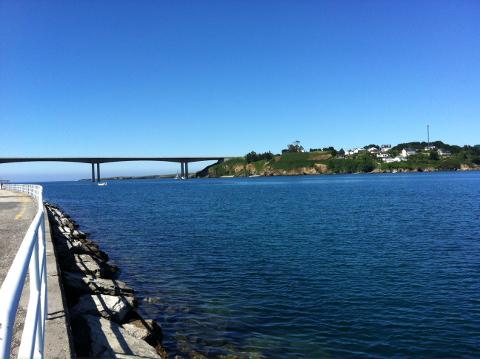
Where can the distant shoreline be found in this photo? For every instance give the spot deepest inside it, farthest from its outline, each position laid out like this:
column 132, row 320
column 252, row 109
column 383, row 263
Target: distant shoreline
column 150, row 177
column 121, row 178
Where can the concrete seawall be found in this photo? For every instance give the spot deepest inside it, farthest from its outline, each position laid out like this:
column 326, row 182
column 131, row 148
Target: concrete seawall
column 58, row 334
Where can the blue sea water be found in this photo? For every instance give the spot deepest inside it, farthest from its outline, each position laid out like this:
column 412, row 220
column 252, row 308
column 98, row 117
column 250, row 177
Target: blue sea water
column 292, row 267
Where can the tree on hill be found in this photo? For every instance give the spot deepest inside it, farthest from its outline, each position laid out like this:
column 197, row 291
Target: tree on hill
column 434, row 156
column 254, row 157
column 330, row 149
column 420, row 146
column 294, row 147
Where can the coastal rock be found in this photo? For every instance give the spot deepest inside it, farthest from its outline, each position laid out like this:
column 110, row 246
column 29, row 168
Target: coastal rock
column 62, row 232
column 321, row 168
column 108, row 306
column 91, row 244
column 66, row 229
column 196, row 355
column 64, row 221
column 90, row 265
column 145, row 329
column 86, row 284
column 82, row 247
column 79, row 234
column 97, row 304
column 107, row 339
column 57, row 214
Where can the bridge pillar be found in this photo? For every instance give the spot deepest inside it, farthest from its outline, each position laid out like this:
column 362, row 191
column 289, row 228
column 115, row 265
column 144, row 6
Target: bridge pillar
column 182, row 170
column 93, row 172
column 186, row 170
column 98, row 172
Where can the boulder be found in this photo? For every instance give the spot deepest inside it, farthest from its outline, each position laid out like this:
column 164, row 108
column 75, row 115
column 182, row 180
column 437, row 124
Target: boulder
column 56, row 212
column 108, row 306
column 82, row 247
column 79, row 234
column 86, row 284
column 67, row 230
column 106, row 339
column 93, row 266
column 145, row 329
column 62, row 230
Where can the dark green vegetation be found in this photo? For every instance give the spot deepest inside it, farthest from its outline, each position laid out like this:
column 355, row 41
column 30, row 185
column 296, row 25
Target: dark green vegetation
column 363, row 162
column 254, row 157
column 293, row 161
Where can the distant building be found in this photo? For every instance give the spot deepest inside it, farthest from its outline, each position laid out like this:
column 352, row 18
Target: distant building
column 394, row 159
column 373, row 150
column 444, row 153
column 385, row 148
column 408, row 152
column 429, row 148
column 383, row 155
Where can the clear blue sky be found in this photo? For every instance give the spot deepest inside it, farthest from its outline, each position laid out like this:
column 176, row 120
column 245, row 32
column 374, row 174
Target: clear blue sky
column 108, row 78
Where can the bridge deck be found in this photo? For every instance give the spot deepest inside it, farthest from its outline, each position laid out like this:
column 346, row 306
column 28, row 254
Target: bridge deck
column 108, row 159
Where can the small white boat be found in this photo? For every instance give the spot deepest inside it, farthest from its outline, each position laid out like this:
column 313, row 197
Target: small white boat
column 101, row 183
column 253, row 176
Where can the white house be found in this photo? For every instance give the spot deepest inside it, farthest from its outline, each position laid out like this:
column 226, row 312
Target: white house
column 408, row 152
column 383, row 155
column 373, row 150
column 385, row 148
column 429, row 148
column 444, row 153
column 394, row 159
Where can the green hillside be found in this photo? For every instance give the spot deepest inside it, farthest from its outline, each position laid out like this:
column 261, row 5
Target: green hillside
column 330, row 161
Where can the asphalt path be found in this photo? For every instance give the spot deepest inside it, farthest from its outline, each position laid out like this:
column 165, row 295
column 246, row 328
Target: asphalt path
column 17, row 211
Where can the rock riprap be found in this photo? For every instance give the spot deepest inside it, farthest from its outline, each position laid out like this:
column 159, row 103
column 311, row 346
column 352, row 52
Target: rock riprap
column 102, row 309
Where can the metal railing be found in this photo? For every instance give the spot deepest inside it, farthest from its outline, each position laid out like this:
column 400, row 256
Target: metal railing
column 31, row 258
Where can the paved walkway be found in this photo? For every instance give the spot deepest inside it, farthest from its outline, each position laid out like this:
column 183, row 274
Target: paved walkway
column 16, row 213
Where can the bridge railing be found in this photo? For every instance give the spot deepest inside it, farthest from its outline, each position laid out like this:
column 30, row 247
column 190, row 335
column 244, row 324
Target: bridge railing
column 31, row 258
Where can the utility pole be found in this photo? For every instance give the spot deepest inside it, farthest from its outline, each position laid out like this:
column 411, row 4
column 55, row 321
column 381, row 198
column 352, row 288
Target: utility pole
column 428, row 136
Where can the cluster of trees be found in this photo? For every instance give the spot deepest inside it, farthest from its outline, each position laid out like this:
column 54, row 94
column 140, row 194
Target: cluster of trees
column 295, row 146
column 254, row 157
column 363, row 162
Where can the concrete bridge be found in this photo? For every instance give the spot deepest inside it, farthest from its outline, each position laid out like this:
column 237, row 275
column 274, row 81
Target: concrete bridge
column 184, row 161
